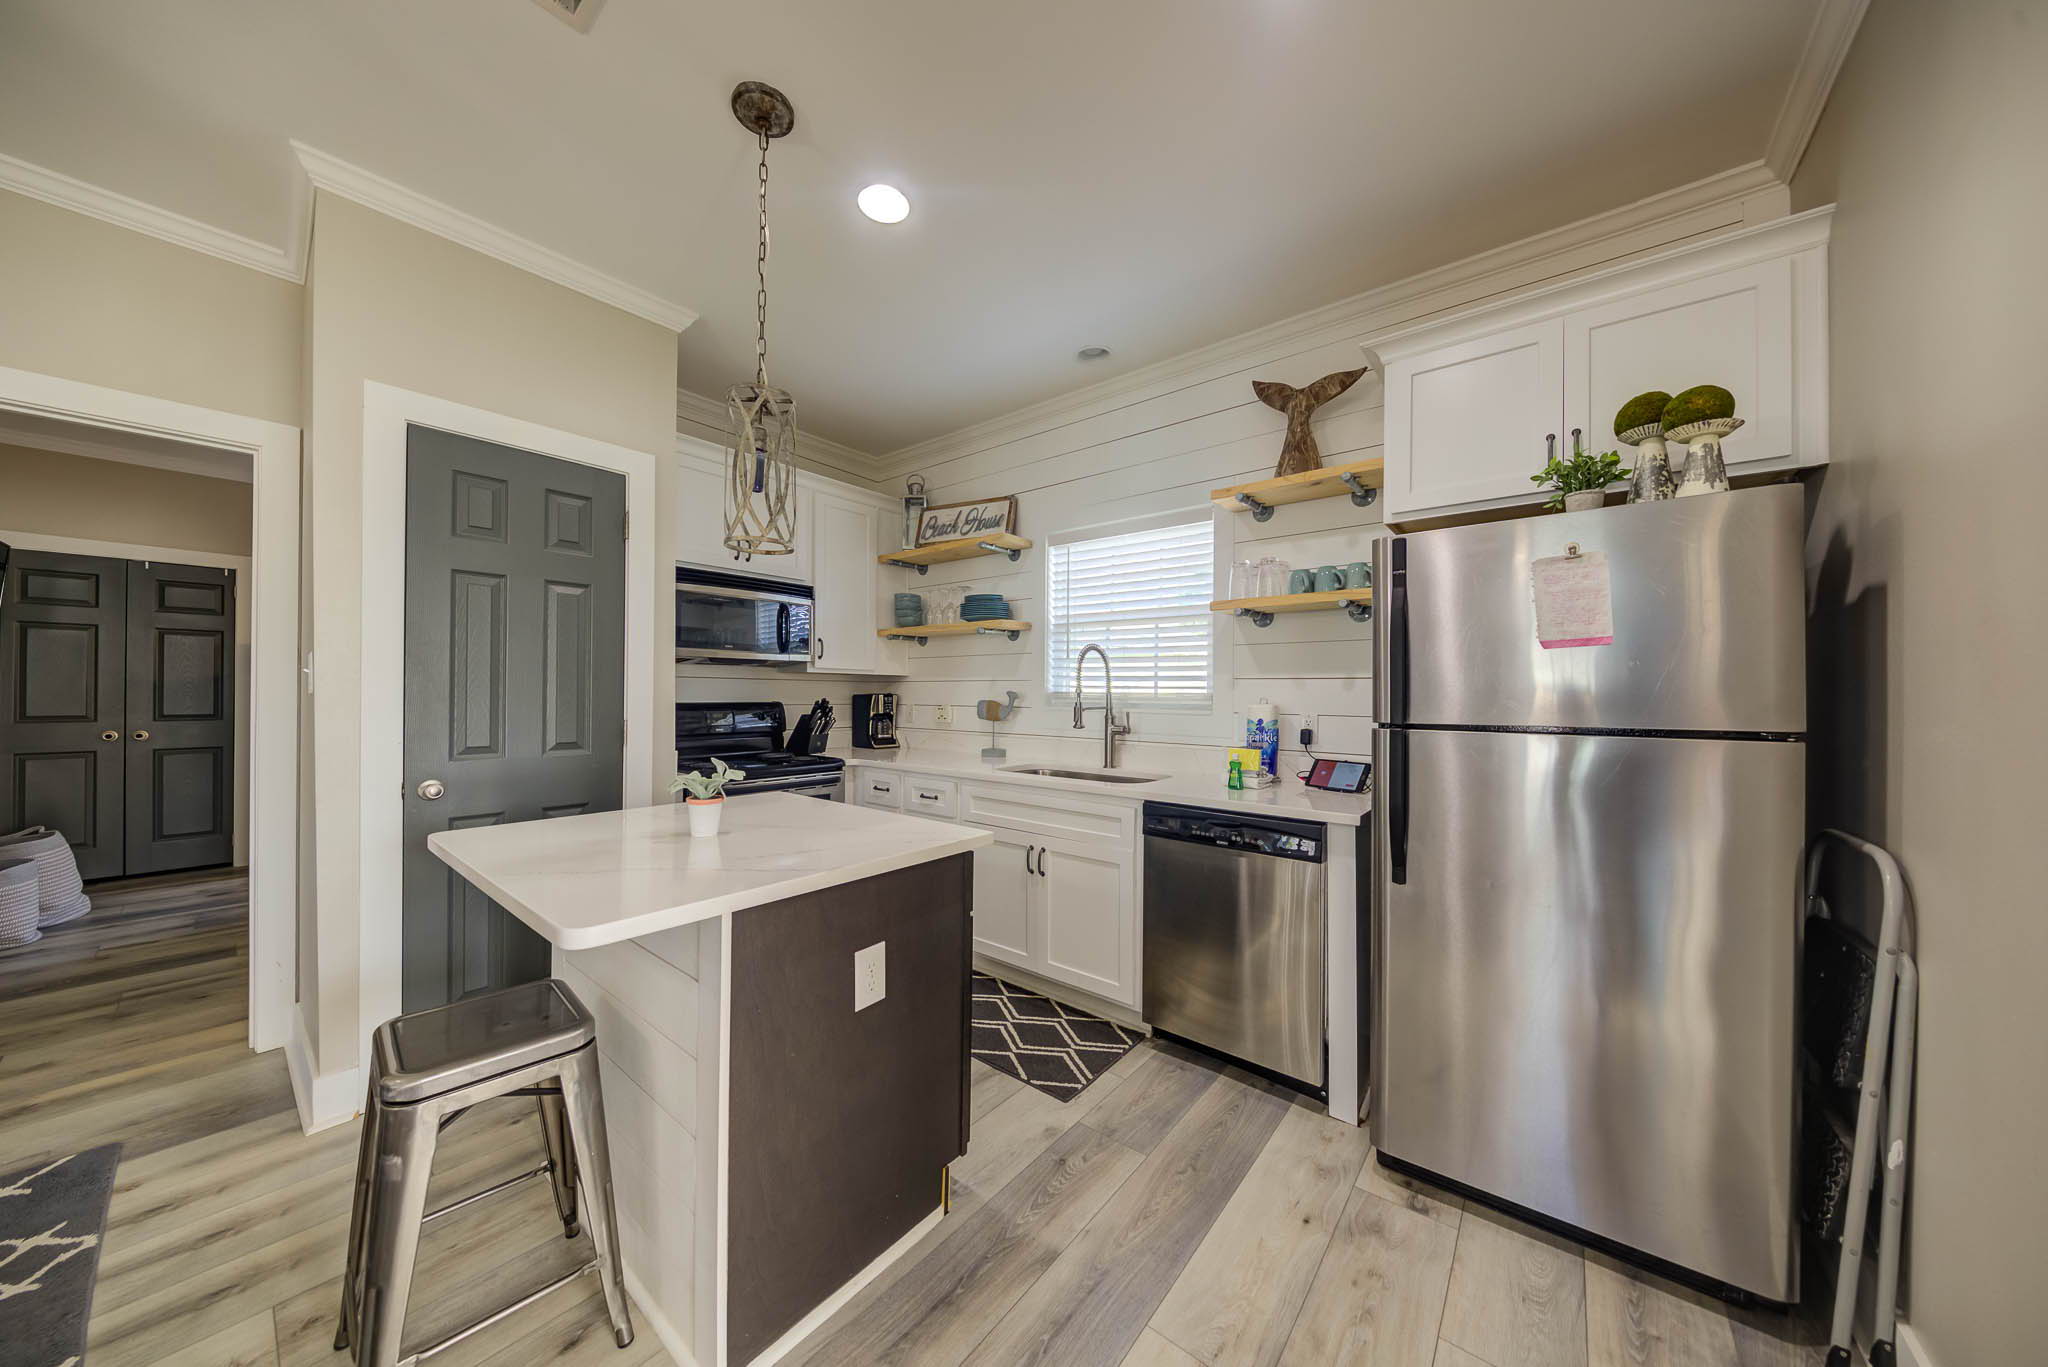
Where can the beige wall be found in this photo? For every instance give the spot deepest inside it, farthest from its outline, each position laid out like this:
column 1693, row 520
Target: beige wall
column 1930, row 643
column 104, row 500
column 390, row 303
column 103, row 305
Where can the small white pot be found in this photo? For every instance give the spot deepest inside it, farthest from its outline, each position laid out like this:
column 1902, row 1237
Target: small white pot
column 704, row 814
column 1584, row 500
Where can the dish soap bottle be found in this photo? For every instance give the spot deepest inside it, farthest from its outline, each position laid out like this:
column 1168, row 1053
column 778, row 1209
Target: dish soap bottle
column 1262, row 733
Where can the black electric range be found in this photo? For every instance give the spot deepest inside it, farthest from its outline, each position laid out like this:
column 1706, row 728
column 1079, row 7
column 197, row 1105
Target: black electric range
column 750, row 736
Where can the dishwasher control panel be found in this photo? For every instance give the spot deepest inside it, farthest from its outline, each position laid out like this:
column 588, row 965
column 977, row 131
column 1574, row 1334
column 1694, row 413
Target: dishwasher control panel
column 1273, row 836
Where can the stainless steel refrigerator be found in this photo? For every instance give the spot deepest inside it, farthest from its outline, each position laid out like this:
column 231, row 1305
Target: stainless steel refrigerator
column 1589, row 806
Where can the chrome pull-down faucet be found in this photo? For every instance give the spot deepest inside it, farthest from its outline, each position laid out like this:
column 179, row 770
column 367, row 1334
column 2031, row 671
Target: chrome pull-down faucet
column 1111, row 727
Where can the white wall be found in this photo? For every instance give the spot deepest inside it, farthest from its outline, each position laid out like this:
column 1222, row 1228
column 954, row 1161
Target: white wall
column 1162, row 442
column 1929, row 640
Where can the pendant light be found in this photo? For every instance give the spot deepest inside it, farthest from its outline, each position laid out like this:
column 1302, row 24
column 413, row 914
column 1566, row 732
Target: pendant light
column 760, row 485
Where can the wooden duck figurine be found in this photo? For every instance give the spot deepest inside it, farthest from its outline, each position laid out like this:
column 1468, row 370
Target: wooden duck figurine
column 1298, row 452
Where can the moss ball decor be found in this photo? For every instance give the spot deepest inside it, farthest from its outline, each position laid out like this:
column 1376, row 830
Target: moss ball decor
column 1643, row 410
column 1701, row 403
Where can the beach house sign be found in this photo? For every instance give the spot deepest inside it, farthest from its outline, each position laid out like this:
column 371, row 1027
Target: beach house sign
column 954, row 521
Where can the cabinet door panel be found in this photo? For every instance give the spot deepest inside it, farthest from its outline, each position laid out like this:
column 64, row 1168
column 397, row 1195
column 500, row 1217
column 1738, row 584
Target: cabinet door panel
column 1733, row 329
column 1003, row 892
column 843, row 630
column 1088, row 911
column 1467, row 422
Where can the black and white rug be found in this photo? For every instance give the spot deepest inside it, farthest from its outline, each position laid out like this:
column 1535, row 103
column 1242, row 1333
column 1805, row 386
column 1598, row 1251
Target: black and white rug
column 51, row 1217
column 1057, row 1049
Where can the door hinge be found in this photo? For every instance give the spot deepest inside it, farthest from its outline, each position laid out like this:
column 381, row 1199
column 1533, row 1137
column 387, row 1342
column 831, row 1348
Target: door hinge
column 626, row 526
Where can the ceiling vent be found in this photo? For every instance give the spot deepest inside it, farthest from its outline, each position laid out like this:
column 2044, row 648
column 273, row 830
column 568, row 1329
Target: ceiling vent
column 577, row 14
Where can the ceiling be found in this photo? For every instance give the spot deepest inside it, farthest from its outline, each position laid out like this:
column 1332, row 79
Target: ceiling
column 1148, row 175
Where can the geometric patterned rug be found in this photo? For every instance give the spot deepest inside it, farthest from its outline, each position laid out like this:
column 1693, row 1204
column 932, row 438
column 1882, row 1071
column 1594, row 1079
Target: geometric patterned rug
column 1057, row 1049
column 51, row 1216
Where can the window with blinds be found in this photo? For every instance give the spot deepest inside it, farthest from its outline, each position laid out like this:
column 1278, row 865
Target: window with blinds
column 1143, row 596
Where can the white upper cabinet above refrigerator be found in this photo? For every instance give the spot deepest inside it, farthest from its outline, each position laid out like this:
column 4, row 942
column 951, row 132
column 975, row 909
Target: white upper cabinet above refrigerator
column 1476, row 402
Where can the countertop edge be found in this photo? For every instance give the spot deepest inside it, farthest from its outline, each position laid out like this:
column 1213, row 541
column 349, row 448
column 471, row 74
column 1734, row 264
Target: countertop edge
column 691, row 913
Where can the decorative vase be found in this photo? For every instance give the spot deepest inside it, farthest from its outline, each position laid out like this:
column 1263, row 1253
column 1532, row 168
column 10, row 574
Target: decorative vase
column 704, row 814
column 1652, row 481
column 1705, row 472
column 1584, row 500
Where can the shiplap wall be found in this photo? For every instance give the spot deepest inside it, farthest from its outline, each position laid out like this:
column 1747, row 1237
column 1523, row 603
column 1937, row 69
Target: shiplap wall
column 1163, row 446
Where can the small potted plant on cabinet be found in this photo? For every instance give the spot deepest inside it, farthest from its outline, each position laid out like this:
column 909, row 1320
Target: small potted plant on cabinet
column 707, row 794
column 1580, row 483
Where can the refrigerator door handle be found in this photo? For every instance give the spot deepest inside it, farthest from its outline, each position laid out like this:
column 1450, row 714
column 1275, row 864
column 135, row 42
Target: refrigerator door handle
column 1395, row 624
column 1395, row 794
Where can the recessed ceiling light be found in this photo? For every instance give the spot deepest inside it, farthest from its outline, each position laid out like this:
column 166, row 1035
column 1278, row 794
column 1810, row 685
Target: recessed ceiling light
column 884, row 204
column 1092, row 353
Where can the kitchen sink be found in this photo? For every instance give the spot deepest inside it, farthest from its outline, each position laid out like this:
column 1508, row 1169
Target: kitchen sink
column 1090, row 775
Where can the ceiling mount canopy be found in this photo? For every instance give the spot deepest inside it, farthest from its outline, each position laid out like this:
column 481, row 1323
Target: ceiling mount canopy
column 760, row 483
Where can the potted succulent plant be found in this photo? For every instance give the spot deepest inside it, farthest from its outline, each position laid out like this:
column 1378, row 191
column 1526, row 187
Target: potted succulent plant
column 1579, row 484
column 707, row 794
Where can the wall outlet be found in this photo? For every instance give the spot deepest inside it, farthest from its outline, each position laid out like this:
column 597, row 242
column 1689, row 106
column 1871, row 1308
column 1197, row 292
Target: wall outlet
column 870, row 975
column 942, row 715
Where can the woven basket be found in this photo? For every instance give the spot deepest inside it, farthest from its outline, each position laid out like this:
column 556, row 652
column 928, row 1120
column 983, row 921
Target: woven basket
column 18, row 903
column 60, row 890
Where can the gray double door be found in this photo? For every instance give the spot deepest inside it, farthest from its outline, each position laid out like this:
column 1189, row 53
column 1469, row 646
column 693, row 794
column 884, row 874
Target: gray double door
column 119, row 722
column 515, row 593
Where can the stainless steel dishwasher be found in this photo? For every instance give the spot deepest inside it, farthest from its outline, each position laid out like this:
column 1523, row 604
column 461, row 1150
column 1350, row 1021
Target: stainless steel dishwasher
column 1236, row 911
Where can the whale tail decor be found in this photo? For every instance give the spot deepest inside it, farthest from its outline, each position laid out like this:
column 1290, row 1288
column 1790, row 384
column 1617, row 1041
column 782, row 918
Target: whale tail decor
column 1298, row 452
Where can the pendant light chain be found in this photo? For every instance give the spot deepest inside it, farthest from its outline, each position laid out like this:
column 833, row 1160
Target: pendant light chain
column 761, row 280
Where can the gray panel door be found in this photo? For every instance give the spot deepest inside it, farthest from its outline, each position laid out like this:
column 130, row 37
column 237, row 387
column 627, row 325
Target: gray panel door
column 62, row 734
column 515, row 631
column 1585, row 983
column 181, row 717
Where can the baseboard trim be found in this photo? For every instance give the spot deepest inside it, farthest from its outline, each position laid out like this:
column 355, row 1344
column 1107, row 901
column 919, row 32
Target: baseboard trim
column 324, row 1100
column 1912, row 1350
column 671, row 1337
column 833, row 1303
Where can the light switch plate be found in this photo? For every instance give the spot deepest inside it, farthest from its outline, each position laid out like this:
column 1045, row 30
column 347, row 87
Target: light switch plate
column 870, row 975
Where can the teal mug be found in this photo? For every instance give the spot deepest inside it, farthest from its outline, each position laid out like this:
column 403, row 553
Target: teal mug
column 1301, row 581
column 1358, row 575
column 1329, row 579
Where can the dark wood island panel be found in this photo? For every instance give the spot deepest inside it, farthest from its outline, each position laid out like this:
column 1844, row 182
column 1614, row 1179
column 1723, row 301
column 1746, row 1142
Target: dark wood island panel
column 841, row 1121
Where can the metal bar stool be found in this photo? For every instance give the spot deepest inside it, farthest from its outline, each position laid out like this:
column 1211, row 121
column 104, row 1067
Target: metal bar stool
column 427, row 1068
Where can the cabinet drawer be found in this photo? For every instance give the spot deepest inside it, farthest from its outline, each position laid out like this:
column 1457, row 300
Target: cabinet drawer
column 1053, row 815
column 871, row 789
column 930, row 796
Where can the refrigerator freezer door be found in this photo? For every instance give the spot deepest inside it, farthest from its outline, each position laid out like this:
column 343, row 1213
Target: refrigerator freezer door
column 1707, row 607
column 1584, row 987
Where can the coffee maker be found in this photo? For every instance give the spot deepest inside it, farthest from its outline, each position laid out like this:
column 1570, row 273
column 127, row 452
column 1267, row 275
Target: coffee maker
column 874, row 721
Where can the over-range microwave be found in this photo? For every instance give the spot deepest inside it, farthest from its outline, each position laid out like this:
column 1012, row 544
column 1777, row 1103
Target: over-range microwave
column 738, row 619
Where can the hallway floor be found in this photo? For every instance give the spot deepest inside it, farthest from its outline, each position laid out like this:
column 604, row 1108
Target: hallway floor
column 1176, row 1213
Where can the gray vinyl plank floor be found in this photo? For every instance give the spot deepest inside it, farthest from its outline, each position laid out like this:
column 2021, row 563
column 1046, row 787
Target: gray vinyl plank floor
column 1177, row 1213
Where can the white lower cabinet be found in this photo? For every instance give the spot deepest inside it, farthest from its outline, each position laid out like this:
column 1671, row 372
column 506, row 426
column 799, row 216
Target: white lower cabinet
column 1057, row 893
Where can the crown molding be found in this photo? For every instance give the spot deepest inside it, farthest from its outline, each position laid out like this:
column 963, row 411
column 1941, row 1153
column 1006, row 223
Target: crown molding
column 1820, row 61
column 1716, row 201
column 711, row 413
column 388, row 197
column 110, row 206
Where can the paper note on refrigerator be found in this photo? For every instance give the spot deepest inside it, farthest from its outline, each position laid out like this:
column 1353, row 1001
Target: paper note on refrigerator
column 1574, row 600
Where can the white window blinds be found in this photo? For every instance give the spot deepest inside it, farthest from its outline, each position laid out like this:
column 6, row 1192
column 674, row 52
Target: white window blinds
column 1143, row 596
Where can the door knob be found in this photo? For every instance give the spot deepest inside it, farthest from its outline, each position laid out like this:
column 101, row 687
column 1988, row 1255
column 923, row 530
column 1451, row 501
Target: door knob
column 110, row 735
column 142, row 735
column 431, row 789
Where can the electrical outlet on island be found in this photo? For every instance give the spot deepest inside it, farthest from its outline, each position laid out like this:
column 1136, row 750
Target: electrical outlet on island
column 942, row 715
column 870, row 975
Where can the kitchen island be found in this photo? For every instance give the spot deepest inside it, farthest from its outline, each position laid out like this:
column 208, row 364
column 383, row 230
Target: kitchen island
column 774, row 1142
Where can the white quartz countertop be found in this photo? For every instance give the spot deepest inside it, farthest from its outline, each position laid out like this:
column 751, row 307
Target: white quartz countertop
column 1289, row 797
column 584, row 881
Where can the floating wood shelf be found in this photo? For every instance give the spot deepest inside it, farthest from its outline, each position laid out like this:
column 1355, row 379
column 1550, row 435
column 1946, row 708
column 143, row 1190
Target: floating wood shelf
column 1357, row 602
column 1360, row 479
column 922, row 558
column 999, row 626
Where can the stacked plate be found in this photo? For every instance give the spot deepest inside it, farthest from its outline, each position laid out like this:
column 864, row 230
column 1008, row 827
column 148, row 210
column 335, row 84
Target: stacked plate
column 984, row 607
